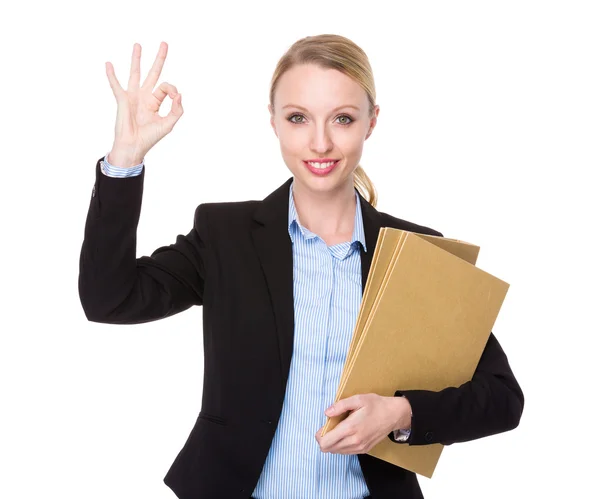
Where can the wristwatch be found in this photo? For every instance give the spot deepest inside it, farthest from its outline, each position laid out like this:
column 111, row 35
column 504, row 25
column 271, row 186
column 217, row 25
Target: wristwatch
column 401, row 435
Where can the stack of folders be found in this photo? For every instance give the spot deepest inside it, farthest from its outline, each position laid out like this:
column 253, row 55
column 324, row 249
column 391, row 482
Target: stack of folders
column 425, row 317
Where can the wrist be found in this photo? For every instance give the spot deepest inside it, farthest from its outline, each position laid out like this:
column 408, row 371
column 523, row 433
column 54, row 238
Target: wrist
column 124, row 158
column 403, row 411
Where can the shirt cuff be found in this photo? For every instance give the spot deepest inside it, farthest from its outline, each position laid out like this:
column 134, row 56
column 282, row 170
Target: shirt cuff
column 120, row 171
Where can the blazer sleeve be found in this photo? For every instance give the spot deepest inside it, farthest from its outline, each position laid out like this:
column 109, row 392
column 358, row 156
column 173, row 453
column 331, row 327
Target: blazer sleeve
column 492, row 402
column 115, row 287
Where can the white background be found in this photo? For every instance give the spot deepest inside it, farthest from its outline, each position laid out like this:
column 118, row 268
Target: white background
column 488, row 132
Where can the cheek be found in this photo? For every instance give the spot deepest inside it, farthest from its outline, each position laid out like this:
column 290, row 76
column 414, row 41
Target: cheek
column 350, row 148
column 290, row 143
column 354, row 141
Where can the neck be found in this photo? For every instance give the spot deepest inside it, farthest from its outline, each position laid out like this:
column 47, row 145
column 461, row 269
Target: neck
column 326, row 213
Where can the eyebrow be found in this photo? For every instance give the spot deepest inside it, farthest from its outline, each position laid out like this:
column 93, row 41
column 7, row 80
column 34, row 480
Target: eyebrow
column 336, row 109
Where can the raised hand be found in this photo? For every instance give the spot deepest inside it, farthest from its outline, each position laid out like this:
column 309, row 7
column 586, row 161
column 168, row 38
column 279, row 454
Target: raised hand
column 138, row 126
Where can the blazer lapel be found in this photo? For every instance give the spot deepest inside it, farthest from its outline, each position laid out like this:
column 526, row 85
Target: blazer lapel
column 372, row 223
column 274, row 249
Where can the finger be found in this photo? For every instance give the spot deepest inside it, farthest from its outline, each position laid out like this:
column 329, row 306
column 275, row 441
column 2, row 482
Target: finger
column 114, row 83
column 348, row 445
column 332, row 438
column 134, row 74
column 175, row 113
column 332, row 445
column 159, row 62
column 165, row 89
column 318, row 435
column 344, row 405
column 343, row 436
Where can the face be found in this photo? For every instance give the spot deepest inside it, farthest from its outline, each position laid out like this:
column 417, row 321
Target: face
column 321, row 114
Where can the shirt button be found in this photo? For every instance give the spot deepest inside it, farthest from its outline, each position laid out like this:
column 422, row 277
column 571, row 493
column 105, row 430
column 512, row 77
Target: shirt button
column 429, row 436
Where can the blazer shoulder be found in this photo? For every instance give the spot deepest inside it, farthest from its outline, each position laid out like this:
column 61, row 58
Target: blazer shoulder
column 398, row 223
column 229, row 209
column 225, row 217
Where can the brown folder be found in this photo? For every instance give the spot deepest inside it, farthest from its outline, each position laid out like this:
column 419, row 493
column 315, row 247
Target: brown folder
column 425, row 317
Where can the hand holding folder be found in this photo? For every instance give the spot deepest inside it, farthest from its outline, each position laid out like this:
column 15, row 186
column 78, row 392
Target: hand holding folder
column 425, row 317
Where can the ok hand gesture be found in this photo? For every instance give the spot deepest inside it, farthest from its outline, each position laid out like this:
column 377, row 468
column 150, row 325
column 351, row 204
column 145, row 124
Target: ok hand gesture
column 138, row 126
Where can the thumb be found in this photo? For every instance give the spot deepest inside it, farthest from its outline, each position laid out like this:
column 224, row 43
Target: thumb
column 342, row 406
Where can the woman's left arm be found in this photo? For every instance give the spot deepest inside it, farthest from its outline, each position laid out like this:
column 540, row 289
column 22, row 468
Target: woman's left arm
column 492, row 402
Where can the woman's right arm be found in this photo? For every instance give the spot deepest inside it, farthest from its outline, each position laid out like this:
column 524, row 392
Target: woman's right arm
column 114, row 286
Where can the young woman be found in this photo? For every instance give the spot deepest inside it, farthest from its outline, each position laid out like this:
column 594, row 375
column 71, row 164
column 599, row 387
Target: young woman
column 281, row 283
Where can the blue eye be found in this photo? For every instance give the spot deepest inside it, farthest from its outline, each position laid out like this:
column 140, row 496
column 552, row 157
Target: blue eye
column 291, row 120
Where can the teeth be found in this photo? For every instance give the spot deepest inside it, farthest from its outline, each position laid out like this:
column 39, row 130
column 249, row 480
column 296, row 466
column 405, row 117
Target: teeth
column 321, row 165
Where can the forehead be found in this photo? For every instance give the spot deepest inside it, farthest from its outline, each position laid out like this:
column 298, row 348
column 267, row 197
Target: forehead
column 316, row 88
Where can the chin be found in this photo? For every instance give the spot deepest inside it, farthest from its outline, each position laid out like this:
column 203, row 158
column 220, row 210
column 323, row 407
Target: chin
column 325, row 184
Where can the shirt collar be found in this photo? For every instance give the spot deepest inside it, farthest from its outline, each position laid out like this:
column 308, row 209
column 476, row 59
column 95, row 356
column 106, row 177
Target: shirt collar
column 358, row 236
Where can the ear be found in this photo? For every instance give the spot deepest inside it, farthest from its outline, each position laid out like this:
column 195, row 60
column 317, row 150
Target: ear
column 372, row 122
column 272, row 120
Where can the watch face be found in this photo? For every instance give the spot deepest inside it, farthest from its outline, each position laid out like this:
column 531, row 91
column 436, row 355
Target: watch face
column 400, row 437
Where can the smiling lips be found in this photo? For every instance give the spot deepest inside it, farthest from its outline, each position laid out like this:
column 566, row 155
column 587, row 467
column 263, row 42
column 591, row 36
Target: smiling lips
column 321, row 167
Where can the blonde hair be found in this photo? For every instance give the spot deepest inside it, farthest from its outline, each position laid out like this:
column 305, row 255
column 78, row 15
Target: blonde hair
column 340, row 53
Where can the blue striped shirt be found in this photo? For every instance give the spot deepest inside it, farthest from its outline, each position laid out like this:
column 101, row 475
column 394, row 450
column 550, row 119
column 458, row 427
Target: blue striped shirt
column 327, row 296
column 119, row 171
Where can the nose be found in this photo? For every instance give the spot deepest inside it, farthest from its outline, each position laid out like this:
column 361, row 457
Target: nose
column 320, row 139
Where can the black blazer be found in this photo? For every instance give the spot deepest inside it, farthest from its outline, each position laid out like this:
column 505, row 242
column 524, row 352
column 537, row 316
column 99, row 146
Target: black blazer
column 237, row 263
